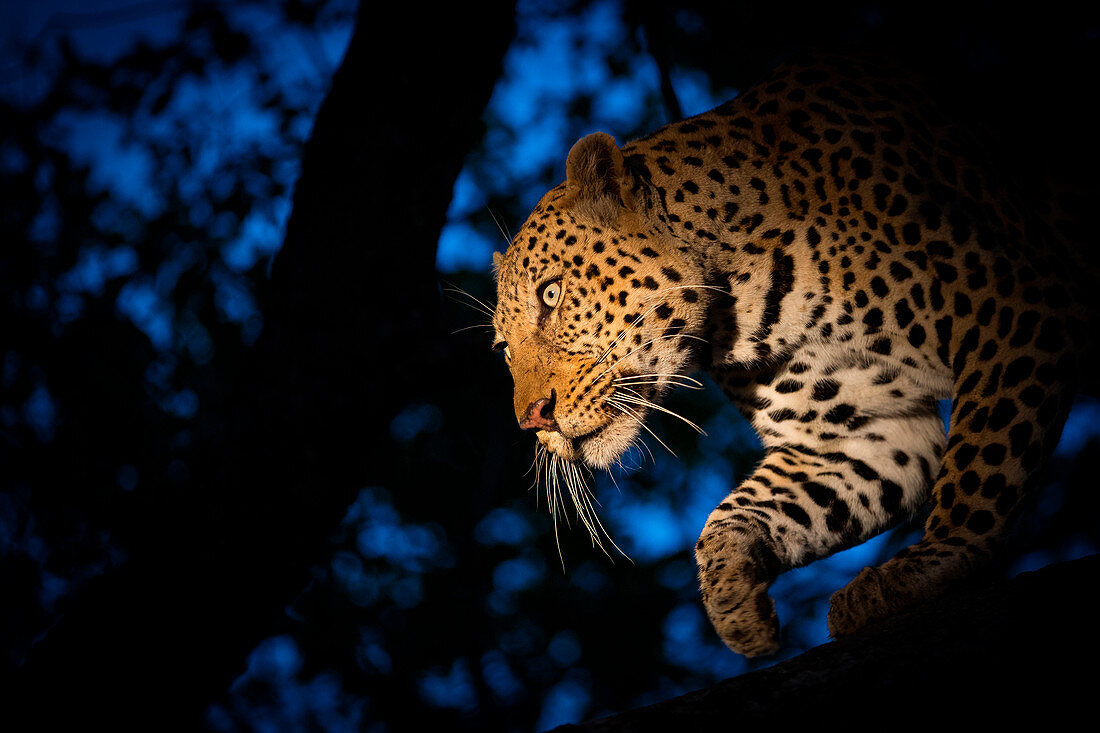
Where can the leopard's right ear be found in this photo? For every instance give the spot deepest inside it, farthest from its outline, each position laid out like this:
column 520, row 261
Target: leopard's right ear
column 498, row 258
column 595, row 178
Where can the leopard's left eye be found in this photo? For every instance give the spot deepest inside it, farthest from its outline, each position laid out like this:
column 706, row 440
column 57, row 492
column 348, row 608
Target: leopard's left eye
column 551, row 293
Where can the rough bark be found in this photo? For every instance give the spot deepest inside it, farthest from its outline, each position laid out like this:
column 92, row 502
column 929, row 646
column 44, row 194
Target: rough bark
column 1004, row 652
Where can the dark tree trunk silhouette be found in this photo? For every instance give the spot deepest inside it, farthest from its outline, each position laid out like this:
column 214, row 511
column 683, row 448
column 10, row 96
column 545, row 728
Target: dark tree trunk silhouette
column 351, row 330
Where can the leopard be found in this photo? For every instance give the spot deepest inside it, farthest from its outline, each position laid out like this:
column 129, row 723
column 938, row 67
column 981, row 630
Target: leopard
column 839, row 258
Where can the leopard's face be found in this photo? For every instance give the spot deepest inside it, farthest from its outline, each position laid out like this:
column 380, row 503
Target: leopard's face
column 596, row 320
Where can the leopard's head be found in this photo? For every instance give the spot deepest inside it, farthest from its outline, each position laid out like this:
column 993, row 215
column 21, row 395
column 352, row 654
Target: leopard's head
column 598, row 312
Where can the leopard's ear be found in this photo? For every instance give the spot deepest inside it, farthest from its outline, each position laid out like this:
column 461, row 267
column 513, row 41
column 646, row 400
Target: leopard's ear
column 595, row 178
column 498, row 258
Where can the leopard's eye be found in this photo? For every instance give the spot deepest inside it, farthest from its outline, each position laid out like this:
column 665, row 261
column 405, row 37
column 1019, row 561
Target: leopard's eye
column 551, row 293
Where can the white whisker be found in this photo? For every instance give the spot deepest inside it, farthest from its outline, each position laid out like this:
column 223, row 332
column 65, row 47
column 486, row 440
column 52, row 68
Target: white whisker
column 633, row 324
column 638, row 440
column 476, row 325
column 661, row 379
column 637, row 399
column 479, row 305
column 630, row 413
column 637, row 348
column 715, row 288
column 583, row 498
column 555, row 498
column 650, row 309
column 500, row 225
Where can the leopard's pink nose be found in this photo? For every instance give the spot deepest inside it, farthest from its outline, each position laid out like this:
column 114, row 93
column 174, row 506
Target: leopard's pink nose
column 540, row 415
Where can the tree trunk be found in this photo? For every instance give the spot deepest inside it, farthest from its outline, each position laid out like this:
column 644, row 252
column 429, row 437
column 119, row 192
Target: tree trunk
column 351, row 327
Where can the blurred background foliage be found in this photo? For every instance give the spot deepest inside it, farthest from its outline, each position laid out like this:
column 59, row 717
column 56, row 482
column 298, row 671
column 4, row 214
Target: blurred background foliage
column 148, row 154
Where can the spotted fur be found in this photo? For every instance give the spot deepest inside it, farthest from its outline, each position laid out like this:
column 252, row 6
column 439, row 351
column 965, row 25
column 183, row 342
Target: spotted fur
column 838, row 259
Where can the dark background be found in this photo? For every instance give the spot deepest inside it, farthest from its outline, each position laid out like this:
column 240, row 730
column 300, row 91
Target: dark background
column 259, row 469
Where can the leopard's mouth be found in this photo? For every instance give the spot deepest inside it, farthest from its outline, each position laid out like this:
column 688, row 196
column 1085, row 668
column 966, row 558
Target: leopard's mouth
column 580, row 440
column 605, row 444
column 571, row 449
column 600, row 447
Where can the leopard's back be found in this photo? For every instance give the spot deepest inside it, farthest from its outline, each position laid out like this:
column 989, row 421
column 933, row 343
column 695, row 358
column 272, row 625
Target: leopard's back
column 847, row 257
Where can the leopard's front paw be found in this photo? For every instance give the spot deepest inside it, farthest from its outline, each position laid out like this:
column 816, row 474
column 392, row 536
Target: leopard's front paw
column 734, row 586
column 874, row 594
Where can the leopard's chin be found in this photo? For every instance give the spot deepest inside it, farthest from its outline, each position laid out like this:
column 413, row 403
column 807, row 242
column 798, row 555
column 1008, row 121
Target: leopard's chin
column 558, row 444
column 599, row 448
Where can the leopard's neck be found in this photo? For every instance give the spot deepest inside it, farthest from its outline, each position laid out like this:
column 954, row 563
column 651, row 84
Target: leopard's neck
column 746, row 246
